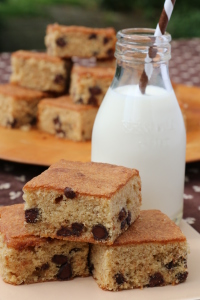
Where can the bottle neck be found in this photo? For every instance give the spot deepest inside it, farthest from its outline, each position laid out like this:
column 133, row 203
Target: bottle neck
column 140, row 46
column 138, row 51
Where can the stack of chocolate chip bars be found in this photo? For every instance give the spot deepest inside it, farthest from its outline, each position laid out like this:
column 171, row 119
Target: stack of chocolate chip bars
column 84, row 56
column 84, row 218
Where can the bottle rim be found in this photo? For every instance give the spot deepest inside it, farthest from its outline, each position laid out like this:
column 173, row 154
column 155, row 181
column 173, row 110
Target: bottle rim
column 142, row 36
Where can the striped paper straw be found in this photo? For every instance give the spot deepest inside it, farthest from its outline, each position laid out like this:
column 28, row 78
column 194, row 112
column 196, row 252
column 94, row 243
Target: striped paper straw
column 160, row 30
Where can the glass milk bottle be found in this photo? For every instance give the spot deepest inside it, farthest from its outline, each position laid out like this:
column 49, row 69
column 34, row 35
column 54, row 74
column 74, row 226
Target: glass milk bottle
column 145, row 130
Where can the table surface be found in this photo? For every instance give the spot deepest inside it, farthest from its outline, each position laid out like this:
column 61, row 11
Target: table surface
column 14, row 175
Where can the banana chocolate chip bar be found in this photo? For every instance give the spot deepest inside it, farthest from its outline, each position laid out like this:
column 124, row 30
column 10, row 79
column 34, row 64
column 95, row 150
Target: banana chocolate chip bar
column 89, row 202
column 25, row 258
column 39, row 71
column 90, row 84
column 69, row 41
column 66, row 119
column 152, row 252
column 18, row 105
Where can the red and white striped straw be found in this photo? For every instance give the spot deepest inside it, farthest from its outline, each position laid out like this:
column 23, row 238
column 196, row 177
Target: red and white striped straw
column 160, row 30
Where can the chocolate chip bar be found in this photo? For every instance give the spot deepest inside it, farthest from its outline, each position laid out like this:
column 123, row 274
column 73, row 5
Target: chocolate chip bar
column 88, row 202
column 39, row 71
column 27, row 259
column 90, row 84
column 152, row 252
column 18, row 106
column 65, row 119
column 68, row 41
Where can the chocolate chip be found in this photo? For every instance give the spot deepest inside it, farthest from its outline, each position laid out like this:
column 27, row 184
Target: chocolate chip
column 61, row 42
column 60, row 132
column 57, row 121
column 170, row 265
column 43, row 267
column 59, row 259
column 99, row 232
column 92, row 36
column 80, row 100
column 69, row 193
column 92, row 101
column 119, row 278
column 110, row 52
column 77, row 228
column 95, row 53
column 74, row 250
column 59, row 79
column 123, row 224
column 12, row 123
column 95, row 90
column 64, row 231
column 81, row 174
column 58, row 199
column 65, row 272
column 31, row 215
column 182, row 276
column 184, row 261
column 33, row 121
column 122, row 214
column 128, row 219
column 106, row 40
column 156, row 280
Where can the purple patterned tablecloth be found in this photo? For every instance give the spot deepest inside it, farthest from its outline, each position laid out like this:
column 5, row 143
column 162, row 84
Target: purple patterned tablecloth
column 13, row 175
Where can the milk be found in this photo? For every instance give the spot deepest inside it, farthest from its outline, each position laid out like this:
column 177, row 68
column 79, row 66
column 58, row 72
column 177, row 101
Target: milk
column 145, row 132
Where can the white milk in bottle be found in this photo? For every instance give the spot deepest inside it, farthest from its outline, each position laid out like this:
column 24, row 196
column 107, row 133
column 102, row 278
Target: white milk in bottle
column 145, row 132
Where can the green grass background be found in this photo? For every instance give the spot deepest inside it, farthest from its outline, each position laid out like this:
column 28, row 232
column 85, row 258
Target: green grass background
column 23, row 22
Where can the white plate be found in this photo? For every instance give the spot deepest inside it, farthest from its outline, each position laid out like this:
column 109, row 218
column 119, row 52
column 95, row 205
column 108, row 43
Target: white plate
column 87, row 289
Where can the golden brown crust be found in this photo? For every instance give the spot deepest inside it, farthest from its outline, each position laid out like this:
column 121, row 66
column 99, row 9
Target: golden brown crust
column 66, row 103
column 20, row 93
column 91, row 179
column 98, row 72
column 152, row 226
column 13, row 229
column 81, row 29
column 36, row 55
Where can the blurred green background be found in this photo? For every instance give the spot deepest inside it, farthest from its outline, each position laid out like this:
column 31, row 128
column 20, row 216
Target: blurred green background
column 23, row 22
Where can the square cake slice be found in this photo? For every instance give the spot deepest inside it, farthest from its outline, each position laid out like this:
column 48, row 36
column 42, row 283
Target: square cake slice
column 69, row 41
column 18, row 106
column 152, row 252
column 66, row 119
column 39, row 71
column 90, row 84
column 27, row 259
column 89, row 202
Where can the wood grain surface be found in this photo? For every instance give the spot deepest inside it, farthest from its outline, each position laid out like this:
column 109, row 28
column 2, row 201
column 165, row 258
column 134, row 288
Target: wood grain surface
column 39, row 148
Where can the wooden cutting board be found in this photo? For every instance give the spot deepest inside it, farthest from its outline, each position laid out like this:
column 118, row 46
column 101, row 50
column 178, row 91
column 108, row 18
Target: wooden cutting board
column 39, row 148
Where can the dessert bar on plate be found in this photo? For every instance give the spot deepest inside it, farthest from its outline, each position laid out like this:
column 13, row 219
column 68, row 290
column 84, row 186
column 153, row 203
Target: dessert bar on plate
column 89, row 202
column 18, row 105
column 90, row 84
column 152, row 252
column 68, row 41
column 66, row 119
column 25, row 258
column 40, row 71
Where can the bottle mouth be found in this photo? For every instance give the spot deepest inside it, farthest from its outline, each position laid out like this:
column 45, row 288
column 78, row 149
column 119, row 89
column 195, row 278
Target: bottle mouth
column 142, row 36
column 134, row 44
